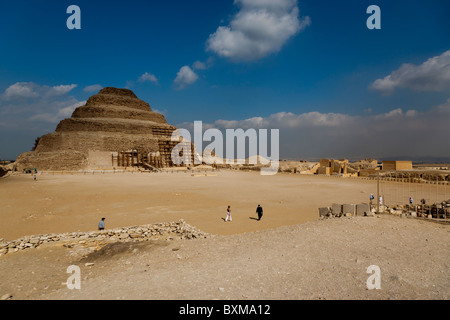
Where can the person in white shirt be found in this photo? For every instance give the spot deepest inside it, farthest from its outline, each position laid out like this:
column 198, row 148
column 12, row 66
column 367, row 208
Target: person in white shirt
column 228, row 214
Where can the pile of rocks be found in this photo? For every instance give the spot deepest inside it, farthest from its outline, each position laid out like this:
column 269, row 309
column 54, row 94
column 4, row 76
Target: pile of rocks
column 346, row 210
column 162, row 231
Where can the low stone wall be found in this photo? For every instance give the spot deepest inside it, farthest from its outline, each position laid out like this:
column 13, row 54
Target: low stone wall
column 58, row 160
column 162, row 231
column 439, row 212
column 347, row 210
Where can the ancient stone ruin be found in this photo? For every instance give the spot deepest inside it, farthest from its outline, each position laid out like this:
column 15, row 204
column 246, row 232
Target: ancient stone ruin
column 348, row 210
column 162, row 231
column 113, row 129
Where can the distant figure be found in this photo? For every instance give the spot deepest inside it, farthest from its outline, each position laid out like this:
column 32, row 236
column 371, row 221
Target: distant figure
column 228, row 214
column 371, row 198
column 101, row 225
column 35, row 177
column 381, row 200
column 411, row 201
column 259, row 211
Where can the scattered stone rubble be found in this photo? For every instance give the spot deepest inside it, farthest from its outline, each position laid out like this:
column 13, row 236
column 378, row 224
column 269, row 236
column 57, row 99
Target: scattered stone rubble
column 430, row 211
column 162, row 231
column 440, row 211
column 347, row 210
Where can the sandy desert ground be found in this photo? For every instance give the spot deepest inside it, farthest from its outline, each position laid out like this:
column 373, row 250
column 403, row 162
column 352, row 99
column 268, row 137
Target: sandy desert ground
column 289, row 254
column 66, row 203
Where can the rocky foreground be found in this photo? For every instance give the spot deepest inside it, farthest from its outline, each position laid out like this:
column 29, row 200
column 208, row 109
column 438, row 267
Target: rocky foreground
column 162, row 231
column 325, row 259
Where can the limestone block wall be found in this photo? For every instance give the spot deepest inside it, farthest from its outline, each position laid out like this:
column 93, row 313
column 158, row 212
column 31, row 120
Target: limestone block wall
column 47, row 161
column 397, row 165
column 109, row 125
column 339, row 210
column 117, row 112
column 97, row 141
column 99, row 159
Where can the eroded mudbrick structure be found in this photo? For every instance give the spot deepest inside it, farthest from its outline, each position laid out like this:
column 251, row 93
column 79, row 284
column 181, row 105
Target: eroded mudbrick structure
column 113, row 129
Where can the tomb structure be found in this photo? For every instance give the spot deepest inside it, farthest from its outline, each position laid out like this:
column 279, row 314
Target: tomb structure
column 114, row 129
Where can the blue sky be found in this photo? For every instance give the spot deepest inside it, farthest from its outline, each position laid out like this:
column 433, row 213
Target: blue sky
column 246, row 63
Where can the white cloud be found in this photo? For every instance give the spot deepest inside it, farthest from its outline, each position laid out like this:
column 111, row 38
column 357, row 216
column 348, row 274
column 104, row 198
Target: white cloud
column 130, row 84
column 259, row 29
column 432, row 75
column 60, row 90
column 93, row 88
column 21, row 90
column 185, row 77
column 411, row 113
column 392, row 134
column 199, row 65
column 27, row 104
column 444, row 108
column 288, row 120
column 30, row 90
column 148, row 77
column 63, row 113
column 393, row 114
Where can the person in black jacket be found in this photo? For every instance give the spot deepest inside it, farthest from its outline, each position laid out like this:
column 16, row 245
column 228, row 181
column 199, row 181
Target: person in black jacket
column 259, row 211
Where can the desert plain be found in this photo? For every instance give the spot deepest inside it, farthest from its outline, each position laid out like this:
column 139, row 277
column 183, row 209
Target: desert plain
column 290, row 254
